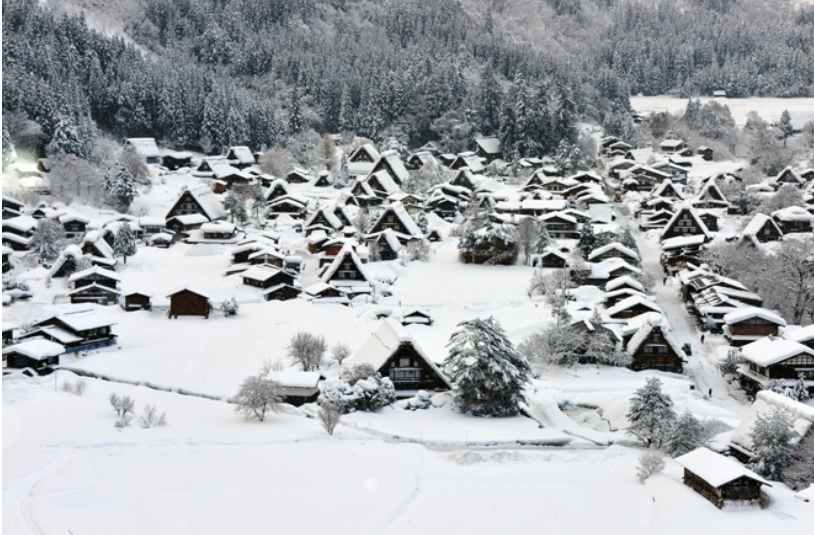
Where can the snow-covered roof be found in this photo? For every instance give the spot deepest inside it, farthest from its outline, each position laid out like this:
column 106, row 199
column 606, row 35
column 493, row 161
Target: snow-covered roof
column 260, row 273
column 662, row 188
column 70, row 216
column 145, row 146
column 347, row 250
column 613, row 246
column 383, row 342
column 93, row 286
column 744, row 313
column 404, row 217
column 694, row 215
column 23, row 223
column 678, row 242
column 757, row 223
column 624, row 280
column 95, row 270
column 329, row 214
column 222, row 170
column 209, row 203
column 644, row 331
column 389, row 235
column 632, row 301
column 36, row 348
column 60, row 335
column 800, row 334
column 388, row 185
column 296, row 378
column 82, row 320
column 241, row 153
column 793, row 213
column 715, row 468
column 489, row 145
column 770, row 350
column 671, row 143
column 218, row 226
column 558, row 215
column 190, row 219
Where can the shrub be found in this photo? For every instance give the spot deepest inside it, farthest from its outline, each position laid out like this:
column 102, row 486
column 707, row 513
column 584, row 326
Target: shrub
column 329, row 417
column 152, row 418
column 360, row 388
column 123, row 407
column 422, row 400
column 650, row 462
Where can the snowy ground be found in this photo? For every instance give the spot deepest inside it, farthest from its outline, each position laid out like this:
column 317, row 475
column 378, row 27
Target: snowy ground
column 801, row 109
column 207, row 471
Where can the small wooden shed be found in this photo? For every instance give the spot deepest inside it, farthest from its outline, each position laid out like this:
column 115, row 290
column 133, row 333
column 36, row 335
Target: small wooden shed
column 720, row 479
column 187, row 302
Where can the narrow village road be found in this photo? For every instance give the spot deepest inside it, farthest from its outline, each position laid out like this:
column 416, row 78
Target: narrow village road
column 700, row 365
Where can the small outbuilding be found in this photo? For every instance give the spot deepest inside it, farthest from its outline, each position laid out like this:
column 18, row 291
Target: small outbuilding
column 720, row 479
column 187, row 302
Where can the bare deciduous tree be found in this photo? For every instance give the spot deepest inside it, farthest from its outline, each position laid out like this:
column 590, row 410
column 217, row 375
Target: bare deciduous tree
column 307, row 349
column 329, row 417
column 258, row 395
column 340, row 352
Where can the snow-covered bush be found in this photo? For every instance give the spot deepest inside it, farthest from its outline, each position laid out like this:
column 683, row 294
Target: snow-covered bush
column 686, row 435
column 123, row 407
column 340, row 352
column 307, row 349
column 772, row 437
column 258, row 395
column 488, row 374
column 798, row 391
column 152, row 418
column 650, row 462
column 484, row 241
column 359, row 388
column 651, row 414
column 76, row 388
column 422, row 400
column 329, row 417
column 230, row 307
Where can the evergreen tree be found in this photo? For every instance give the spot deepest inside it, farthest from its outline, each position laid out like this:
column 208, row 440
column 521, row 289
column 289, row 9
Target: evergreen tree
column 124, row 242
column 772, row 437
column 345, row 120
column 8, row 147
column 686, row 435
column 119, row 187
column 488, row 374
column 785, row 126
column 587, row 240
column 489, row 101
column 46, row 241
column 66, row 138
column 651, row 416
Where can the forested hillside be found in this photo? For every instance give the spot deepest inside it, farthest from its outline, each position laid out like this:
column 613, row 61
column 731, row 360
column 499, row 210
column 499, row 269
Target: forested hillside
column 212, row 73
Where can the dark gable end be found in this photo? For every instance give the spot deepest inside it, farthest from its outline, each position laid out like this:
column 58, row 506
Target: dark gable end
column 186, row 204
column 408, row 370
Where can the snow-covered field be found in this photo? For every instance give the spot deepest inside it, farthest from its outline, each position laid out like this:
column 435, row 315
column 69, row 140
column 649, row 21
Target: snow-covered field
column 801, row 109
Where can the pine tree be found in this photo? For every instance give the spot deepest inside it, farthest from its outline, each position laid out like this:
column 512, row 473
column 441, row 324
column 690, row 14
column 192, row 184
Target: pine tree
column 46, row 241
column 651, row 414
column 785, row 126
column 345, row 110
column 587, row 240
column 124, row 242
column 489, row 101
column 120, row 187
column 488, row 374
column 8, row 147
column 686, row 435
column 772, row 437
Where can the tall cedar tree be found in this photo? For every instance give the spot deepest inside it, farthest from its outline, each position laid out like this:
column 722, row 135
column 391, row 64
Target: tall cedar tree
column 651, row 414
column 487, row 372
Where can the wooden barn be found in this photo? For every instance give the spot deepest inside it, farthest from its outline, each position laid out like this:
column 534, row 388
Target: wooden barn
column 266, row 277
column 174, row 160
column 551, row 258
column 240, row 156
column 145, row 147
column 187, row 302
column 396, row 218
column 771, row 359
column 487, row 148
column 297, row 387
column 794, row 219
column 747, row 324
column 198, row 201
column 720, row 479
column 282, row 292
column 393, row 353
column 653, row 347
column 136, row 301
column 74, row 225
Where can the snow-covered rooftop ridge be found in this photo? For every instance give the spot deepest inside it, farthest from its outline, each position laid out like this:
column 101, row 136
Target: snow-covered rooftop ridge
column 793, row 213
column 613, row 246
column 743, row 313
column 756, row 223
column 644, row 331
column 715, row 468
column 632, row 301
column 145, row 146
column 94, row 270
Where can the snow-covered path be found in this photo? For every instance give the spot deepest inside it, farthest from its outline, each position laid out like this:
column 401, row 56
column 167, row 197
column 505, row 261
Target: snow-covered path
column 700, row 364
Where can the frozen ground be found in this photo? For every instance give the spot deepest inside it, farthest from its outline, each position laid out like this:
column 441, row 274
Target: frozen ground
column 208, row 472
column 801, row 109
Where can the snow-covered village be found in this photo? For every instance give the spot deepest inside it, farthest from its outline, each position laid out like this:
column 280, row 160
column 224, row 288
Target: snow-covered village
column 408, row 267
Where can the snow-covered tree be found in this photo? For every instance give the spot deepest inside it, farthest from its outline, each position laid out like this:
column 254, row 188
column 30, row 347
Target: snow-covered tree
column 528, row 231
column 488, row 374
column 587, row 240
column 729, row 366
column 340, row 352
column 686, row 435
column 554, row 344
column 484, row 241
column 47, row 240
column 360, row 388
column 8, row 147
column 124, row 242
column 785, row 126
column 329, row 417
column 772, row 437
column 235, row 205
column 307, row 350
column 258, row 395
column 120, row 187
column 651, row 416
column 554, row 287
column 230, row 307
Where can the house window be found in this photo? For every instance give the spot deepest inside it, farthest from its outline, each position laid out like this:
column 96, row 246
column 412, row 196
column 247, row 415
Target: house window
column 404, row 362
column 405, row 375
